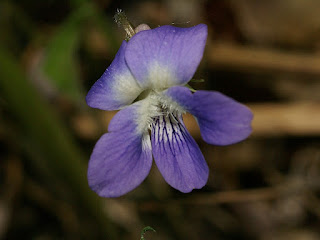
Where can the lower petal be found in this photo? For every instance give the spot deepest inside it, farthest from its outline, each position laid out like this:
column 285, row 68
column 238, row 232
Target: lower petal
column 119, row 163
column 177, row 155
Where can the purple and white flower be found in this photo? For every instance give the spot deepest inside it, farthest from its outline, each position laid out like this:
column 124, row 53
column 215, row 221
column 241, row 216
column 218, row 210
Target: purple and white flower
column 146, row 81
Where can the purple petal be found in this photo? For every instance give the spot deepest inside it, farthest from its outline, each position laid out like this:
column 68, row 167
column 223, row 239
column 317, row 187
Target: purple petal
column 222, row 120
column 121, row 159
column 177, row 155
column 125, row 118
column 116, row 88
column 166, row 56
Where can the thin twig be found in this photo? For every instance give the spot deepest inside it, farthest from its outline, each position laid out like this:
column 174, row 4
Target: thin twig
column 236, row 196
column 244, row 58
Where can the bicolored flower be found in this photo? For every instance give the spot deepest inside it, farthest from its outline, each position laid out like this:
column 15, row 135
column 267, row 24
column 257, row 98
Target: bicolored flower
column 146, row 82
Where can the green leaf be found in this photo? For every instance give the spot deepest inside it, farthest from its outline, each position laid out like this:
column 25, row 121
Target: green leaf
column 197, row 80
column 60, row 63
column 144, row 230
column 39, row 123
column 190, row 88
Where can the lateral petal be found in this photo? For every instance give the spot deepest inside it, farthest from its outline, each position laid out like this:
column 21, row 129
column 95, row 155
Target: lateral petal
column 177, row 155
column 166, row 56
column 116, row 88
column 221, row 119
column 121, row 159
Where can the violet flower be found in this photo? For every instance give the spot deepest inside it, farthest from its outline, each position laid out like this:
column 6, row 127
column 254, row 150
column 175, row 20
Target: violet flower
column 146, row 81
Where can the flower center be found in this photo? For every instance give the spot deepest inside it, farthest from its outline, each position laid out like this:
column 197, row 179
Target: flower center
column 154, row 105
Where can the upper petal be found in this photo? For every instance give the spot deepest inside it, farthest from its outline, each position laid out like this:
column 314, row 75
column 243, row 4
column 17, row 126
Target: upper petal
column 166, row 56
column 121, row 159
column 116, row 88
column 177, row 155
column 221, row 119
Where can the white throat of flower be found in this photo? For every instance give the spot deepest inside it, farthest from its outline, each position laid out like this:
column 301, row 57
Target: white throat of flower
column 154, row 105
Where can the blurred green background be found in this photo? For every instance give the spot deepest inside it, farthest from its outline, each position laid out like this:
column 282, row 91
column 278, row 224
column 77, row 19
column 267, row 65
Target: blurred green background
column 263, row 53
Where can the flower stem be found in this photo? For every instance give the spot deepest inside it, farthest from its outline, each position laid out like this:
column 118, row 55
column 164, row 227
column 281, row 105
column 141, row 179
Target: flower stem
column 121, row 19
